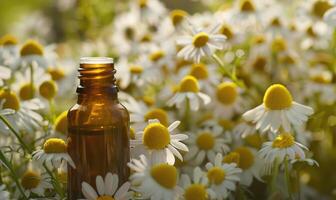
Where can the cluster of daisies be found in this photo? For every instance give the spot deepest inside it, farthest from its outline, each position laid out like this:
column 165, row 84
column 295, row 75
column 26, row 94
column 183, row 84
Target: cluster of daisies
column 224, row 104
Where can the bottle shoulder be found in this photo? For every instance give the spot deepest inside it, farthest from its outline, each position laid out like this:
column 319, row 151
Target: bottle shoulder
column 97, row 114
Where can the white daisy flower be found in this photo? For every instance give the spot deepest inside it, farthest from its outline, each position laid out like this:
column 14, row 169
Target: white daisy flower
column 200, row 43
column 8, row 50
column 106, row 188
column 154, row 181
column 36, row 182
column 4, row 195
column 150, row 10
column 281, row 147
column 246, row 159
column 54, row 151
column 140, row 113
column 330, row 17
column 160, row 142
column 222, row 177
column 25, row 116
column 32, row 51
column 278, row 110
column 197, row 188
column 206, row 143
column 189, row 90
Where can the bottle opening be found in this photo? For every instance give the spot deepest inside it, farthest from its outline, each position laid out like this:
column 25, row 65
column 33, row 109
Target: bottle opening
column 96, row 60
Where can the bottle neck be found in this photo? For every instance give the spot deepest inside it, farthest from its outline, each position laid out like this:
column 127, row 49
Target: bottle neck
column 96, row 79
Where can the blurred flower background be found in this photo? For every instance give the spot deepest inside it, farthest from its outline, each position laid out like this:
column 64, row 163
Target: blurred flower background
column 229, row 99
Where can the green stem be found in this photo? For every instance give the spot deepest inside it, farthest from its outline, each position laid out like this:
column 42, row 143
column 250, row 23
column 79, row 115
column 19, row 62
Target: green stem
column 274, row 177
column 287, row 178
column 55, row 182
column 17, row 135
column 13, row 174
column 226, row 71
column 298, row 183
column 52, row 110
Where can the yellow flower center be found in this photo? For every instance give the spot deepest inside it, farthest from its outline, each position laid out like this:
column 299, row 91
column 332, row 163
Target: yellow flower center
column 132, row 133
column 146, row 38
column 189, row 84
column 259, row 39
column 227, row 93
column 283, row 140
column 48, row 89
column 205, row 141
column 320, row 7
column 8, row 40
column 227, row 31
column 31, row 47
column 148, row 100
column 142, row 3
column 157, row 55
column 165, row 175
column 129, row 33
column 246, row 157
column 136, row 69
column 55, row 145
column 254, row 140
column 159, row 114
column 216, row 175
column 177, row 16
column 105, row 198
column 156, row 136
column 278, row 44
column 200, row 39
column 199, row 71
column 30, row 180
column 232, row 157
column 247, row 6
column 195, row 191
column 323, row 78
column 61, row 123
column 56, row 74
column 277, row 97
column 310, row 31
column 276, row 22
column 259, row 63
column 288, row 60
column 10, row 99
column 27, row 91
column 226, row 124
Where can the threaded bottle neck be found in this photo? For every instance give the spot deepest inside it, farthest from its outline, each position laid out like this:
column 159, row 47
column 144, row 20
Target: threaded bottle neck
column 96, row 75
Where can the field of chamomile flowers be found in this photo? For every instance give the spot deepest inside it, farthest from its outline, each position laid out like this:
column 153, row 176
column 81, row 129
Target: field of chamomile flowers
column 228, row 99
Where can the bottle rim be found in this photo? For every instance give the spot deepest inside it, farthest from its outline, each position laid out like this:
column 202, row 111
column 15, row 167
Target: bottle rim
column 96, row 60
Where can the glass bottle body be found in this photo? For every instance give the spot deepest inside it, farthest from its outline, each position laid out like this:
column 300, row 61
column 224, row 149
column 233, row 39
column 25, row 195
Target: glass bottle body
column 98, row 138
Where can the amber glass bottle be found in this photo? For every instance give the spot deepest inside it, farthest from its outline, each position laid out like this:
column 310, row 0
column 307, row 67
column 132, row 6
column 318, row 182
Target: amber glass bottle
column 98, row 138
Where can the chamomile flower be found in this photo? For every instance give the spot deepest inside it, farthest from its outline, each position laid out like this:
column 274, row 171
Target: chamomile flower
column 197, row 188
column 222, row 177
column 150, row 10
column 3, row 193
column 106, row 188
column 34, row 181
column 330, row 17
column 154, row 181
column 32, row 51
column 278, row 110
column 206, row 143
column 189, row 90
column 200, row 43
column 281, row 147
column 25, row 116
column 246, row 159
column 227, row 99
column 54, row 151
column 160, row 142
